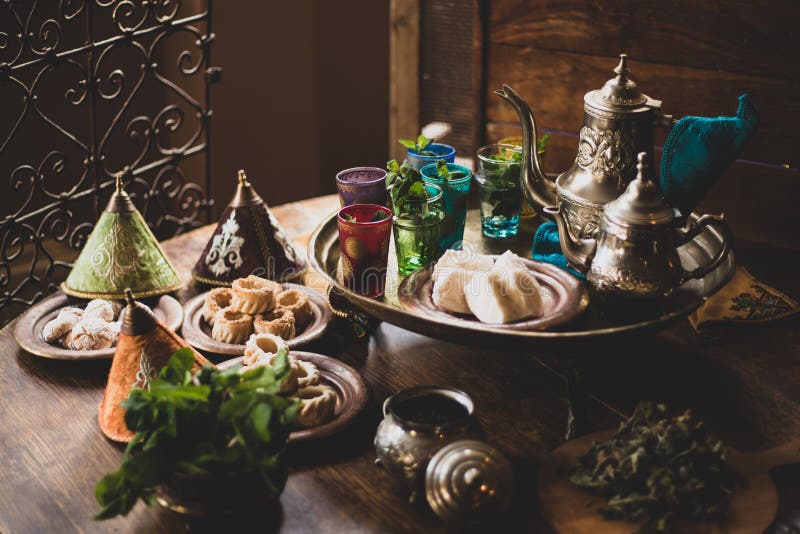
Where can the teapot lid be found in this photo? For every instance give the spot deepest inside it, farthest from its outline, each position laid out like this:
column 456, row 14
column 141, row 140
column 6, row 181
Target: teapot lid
column 618, row 93
column 641, row 203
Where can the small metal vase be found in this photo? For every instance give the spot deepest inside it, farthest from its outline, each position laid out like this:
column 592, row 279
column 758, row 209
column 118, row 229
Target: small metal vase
column 206, row 495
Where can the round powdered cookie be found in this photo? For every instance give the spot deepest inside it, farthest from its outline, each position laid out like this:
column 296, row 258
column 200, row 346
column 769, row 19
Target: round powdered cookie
column 100, row 309
column 317, row 406
column 296, row 301
column 232, row 326
column 57, row 328
column 217, row 299
column 307, row 375
column 253, row 294
column 279, row 322
column 91, row 334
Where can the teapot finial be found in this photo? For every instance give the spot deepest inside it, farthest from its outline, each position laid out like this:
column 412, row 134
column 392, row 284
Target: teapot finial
column 641, row 166
column 622, row 69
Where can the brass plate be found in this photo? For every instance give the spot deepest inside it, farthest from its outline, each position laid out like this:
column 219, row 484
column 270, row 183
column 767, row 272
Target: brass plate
column 351, row 393
column 564, row 297
column 601, row 318
column 197, row 332
column 28, row 330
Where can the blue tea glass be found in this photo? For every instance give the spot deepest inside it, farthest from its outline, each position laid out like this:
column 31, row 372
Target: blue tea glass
column 454, row 193
column 500, row 192
column 438, row 151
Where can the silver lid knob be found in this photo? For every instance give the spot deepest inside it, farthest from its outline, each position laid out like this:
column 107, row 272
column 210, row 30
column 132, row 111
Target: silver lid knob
column 468, row 482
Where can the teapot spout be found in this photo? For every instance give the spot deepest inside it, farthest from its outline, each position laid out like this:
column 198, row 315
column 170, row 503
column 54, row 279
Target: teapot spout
column 539, row 190
column 578, row 252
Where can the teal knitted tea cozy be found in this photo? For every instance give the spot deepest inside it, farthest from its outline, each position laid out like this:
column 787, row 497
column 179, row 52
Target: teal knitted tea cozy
column 699, row 149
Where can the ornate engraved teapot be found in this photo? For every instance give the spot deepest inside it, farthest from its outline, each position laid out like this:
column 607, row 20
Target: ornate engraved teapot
column 618, row 123
column 634, row 252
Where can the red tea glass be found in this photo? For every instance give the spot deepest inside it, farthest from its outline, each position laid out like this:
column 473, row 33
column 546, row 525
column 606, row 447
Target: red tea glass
column 364, row 244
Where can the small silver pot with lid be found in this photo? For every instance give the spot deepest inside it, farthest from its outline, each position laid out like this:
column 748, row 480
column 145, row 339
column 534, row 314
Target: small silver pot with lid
column 419, row 421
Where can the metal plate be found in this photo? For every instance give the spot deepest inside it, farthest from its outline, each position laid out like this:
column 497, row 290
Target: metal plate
column 602, row 318
column 28, row 330
column 564, row 297
column 197, row 332
column 351, row 393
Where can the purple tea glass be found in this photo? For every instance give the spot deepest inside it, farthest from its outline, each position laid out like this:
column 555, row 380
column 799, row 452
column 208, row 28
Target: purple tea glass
column 364, row 246
column 362, row 185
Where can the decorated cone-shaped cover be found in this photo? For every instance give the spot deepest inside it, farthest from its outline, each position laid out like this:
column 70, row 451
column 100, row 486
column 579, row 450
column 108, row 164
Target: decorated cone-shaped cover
column 248, row 240
column 121, row 252
column 144, row 346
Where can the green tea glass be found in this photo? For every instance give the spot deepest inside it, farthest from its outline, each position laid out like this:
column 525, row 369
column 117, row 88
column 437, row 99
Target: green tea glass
column 499, row 188
column 454, row 195
column 417, row 226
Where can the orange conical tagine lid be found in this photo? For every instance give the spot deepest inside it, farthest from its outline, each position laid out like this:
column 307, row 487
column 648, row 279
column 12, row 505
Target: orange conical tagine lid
column 144, row 346
column 248, row 240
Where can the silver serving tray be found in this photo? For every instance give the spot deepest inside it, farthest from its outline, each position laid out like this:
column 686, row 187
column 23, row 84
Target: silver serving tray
column 602, row 317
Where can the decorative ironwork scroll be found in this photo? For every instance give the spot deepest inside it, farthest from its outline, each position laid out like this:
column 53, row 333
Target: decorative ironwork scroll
column 90, row 89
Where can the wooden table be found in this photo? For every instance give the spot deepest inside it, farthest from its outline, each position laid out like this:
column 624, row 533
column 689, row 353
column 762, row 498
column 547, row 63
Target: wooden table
column 746, row 386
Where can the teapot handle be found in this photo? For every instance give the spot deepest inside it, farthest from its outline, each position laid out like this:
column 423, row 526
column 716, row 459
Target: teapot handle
column 694, row 230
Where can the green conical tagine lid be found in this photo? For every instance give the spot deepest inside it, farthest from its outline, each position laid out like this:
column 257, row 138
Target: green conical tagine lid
column 121, row 252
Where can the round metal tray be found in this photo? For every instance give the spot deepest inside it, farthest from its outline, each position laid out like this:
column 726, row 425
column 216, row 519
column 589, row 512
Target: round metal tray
column 602, row 317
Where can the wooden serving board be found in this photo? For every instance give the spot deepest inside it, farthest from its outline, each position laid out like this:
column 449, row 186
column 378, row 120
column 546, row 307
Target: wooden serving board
column 568, row 508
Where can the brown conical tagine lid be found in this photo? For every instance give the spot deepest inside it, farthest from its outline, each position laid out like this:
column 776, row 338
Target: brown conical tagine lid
column 248, row 240
column 121, row 252
column 144, row 346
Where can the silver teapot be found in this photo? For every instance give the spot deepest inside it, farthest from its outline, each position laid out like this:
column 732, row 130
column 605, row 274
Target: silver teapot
column 618, row 123
column 634, row 251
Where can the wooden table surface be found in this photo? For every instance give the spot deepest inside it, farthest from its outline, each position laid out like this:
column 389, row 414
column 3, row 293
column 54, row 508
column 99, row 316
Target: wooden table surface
column 746, row 386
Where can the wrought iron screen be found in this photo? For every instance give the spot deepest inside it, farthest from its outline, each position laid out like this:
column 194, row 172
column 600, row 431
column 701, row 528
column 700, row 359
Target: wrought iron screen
column 90, row 89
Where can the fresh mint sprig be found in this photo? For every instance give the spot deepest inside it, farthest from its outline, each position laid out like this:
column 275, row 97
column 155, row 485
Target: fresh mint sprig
column 213, row 423
column 419, row 145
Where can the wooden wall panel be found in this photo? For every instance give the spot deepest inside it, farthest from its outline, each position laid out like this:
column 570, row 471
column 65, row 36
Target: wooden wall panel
column 756, row 37
column 554, row 83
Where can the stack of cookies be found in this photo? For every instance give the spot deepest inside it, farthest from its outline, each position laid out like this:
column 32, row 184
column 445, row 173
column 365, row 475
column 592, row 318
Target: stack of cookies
column 256, row 305
column 317, row 401
column 92, row 328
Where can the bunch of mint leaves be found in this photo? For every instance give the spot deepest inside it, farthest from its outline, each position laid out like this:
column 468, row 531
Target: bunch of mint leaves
column 419, row 145
column 215, row 423
column 406, row 188
column 658, row 468
column 445, row 173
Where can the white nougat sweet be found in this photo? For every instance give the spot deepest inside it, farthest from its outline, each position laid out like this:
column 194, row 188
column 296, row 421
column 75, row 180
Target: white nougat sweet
column 503, row 295
column 461, row 259
column 448, row 290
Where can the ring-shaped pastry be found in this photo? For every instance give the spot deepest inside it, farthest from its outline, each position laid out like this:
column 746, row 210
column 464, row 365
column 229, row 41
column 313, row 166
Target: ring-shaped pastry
column 231, row 326
column 317, row 406
column 296, row 301
column 253, row 294
column 217, row 299
column 307, row 375
column 279, row 322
